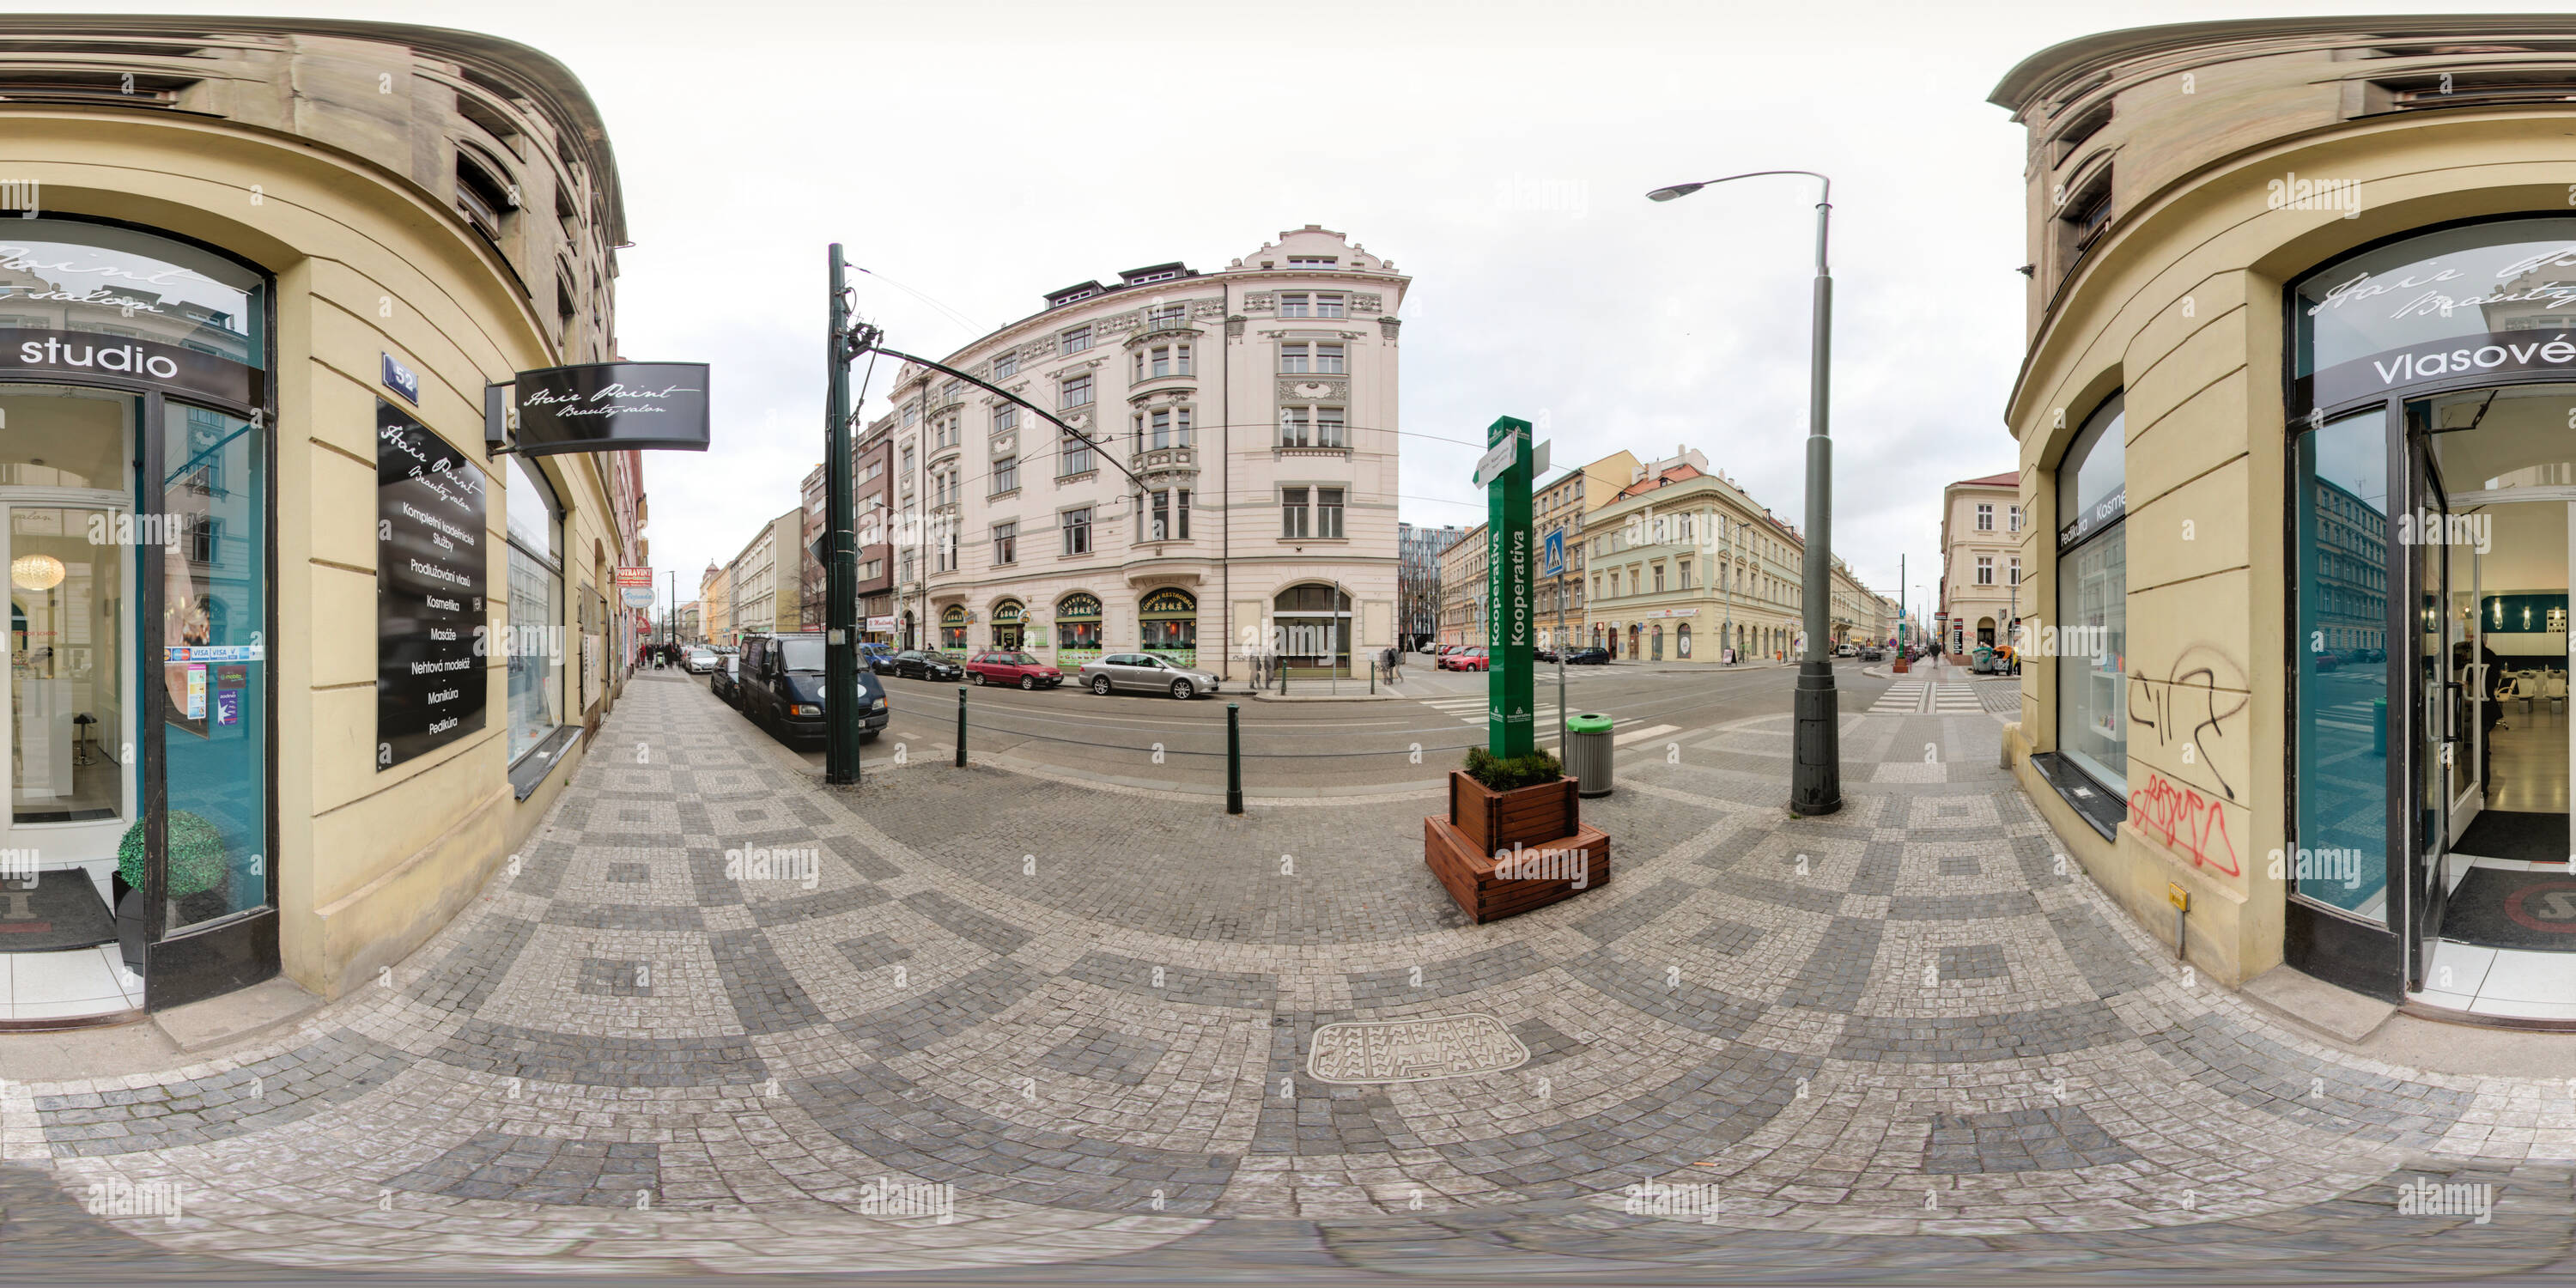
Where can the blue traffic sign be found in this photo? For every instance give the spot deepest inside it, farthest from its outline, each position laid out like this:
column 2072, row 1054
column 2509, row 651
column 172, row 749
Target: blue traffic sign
column 1551, row 559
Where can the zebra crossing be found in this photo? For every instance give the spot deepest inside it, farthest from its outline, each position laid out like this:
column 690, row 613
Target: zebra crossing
column 1915, row 697
column 2357, row 717
column 1470, row 709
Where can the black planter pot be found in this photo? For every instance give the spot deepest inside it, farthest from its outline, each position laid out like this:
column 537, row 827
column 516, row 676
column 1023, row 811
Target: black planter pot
column 130, row 920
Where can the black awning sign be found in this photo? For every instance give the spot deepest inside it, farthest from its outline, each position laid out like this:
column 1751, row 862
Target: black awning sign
column 613, row 407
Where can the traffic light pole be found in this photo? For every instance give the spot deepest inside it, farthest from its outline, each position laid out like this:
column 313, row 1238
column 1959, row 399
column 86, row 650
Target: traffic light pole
column 841, row 713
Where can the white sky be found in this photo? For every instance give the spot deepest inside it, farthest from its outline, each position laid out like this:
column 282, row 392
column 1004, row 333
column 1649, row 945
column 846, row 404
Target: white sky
column 981, row 152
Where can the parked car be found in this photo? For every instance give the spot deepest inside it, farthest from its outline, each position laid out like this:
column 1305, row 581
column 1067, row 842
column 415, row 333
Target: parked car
column 916, row 664
column 1873, row 654
column 1588, row 657
column 1543, row 654
column 1147, row 672
column 698, row 661
column 1021, row 669
column 726, row 682
column 781, row 681
column 1471, row 658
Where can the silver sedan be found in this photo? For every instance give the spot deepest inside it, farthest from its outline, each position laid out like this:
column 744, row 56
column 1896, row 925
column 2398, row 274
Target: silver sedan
column 1147, row 672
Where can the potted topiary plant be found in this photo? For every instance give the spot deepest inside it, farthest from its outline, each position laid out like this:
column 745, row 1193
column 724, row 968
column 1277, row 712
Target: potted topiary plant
column 198, row 866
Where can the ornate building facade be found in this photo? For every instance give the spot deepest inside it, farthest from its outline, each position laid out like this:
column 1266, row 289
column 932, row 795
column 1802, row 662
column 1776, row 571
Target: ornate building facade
column 1230, row 491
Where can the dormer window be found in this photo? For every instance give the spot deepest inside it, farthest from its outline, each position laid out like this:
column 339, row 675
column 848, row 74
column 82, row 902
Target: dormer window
column 1314, row 261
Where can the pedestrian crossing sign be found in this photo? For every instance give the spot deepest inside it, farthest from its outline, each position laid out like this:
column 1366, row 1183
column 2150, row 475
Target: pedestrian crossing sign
column 1551, row 559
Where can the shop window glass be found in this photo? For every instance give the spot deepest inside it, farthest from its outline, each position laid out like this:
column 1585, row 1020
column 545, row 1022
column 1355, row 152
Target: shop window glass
column 215, row 730
column 2092, row 598
column 65, row 275
column 2512, row 277
column 2341, row 509
column 536, row 607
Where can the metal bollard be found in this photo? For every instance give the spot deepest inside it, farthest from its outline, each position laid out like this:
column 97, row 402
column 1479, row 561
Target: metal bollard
column 1233, row 758
column 961, row 726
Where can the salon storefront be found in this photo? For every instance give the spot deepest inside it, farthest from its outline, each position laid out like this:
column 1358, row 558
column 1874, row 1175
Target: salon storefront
column 2296, row 424
column 240, row 351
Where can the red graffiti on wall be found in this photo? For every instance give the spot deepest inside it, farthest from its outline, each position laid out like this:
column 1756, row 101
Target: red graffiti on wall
column 2189, row 821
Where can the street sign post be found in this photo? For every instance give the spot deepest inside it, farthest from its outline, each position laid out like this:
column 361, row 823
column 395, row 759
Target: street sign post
column 1505, row 474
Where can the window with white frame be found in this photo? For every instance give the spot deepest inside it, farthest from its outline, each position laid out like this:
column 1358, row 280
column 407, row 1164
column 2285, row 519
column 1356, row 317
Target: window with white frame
column 1005, row 419
column 1162, row 421
column 1985, row 517
column 911, row 417
column 1303, row 426
column 1171, row 515
column 1162, row 360
column 1077, row 530
column 1985, row 570
column 952, row 391
column 1313, row 261
column 1166, row 315
column 1006, row 542
column 1006, row 475
column 1075, row 391
column 1073, row 341
column 944, row 433
column 1007, row 364
column 2014, row 570
column 1312, row 357
column 1328, row 512
column 2013, row 516
column 944, row 551
column 1292, row 512
column 1073, row 456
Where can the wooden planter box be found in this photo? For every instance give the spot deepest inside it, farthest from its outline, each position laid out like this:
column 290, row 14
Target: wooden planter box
column 1493, row 820
column 1568, row 865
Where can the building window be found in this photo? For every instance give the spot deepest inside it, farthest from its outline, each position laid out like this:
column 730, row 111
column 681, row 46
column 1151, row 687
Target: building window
column 945, row 550
column 1681, row 573
column 1169, row 622
column 1006, row 475
column 535, row 526
column 1164, row 315
column 1313, row 261
column 911, row 417
column 1985, row 570
column 1163, row 360
column 1005, row 419
column 1328, row 512
column 1659, row 578
column 1312, row 358
column 1171, row 521
column 944, row 433
column 1077, row 622
column 1073, row 341
column 1162, row 427
column 1077, row 531
column 1292, row 512
column 1006, row 542
column 1985, row 517
column 952, row 391
column 1007, row 364
column 2014, row 517
column 1296, row 427
column 2015, row 571
column 2093, row 596
column 952, row 628
column 1075, row 391
column 1073, row 457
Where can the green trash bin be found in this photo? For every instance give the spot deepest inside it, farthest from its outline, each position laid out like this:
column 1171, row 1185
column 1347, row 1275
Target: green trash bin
column 1587, row 753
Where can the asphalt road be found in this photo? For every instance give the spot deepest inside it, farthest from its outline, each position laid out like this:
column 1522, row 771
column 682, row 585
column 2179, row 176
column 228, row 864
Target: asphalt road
column 1352, row 745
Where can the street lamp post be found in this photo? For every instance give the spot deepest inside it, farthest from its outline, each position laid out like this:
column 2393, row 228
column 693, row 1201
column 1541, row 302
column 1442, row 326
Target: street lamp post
column 1815, row 771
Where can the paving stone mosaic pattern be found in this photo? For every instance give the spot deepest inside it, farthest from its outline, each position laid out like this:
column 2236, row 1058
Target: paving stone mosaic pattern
column 1901, row 1039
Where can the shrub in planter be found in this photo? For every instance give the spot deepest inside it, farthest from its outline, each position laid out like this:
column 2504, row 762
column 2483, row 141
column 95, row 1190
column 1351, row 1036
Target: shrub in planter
column 197, row 860
column 1504, row 773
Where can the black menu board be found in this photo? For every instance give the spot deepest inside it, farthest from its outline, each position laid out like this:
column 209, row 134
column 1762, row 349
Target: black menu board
column 430, row 567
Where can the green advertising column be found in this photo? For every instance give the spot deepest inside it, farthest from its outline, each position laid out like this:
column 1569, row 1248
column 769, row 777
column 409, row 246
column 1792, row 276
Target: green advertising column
column 1509, row 565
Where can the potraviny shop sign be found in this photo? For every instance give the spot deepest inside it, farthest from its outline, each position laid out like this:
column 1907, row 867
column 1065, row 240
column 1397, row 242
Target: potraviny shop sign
column 601, row 407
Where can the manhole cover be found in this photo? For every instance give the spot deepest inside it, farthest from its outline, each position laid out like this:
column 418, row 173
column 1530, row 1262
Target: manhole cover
column 1449, row 1046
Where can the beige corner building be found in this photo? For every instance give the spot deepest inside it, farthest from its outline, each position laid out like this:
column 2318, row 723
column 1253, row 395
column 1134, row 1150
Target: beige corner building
column 1981, row 523
column 2294, row 447
column 252, row 251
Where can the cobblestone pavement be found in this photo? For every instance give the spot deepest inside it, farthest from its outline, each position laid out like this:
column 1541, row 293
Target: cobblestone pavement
column 717, row 1020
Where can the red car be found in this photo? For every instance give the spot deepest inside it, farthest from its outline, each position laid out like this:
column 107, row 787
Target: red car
column 1471, row 658
column 1012, row 668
